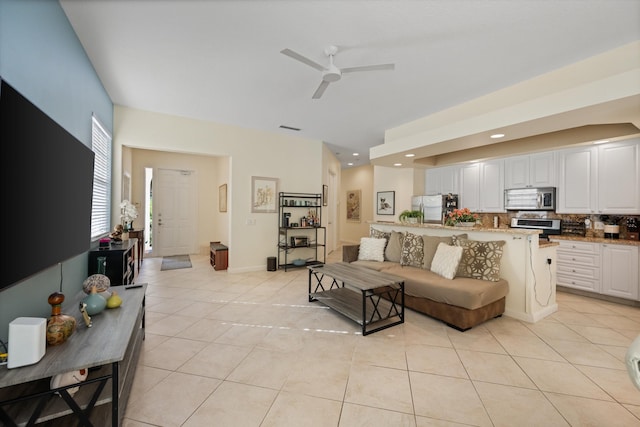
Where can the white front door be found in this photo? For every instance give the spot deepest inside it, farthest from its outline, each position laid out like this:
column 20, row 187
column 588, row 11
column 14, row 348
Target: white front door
column 174, row 212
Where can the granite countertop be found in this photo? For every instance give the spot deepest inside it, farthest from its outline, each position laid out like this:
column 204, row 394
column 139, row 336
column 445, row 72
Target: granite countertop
column 501, row 229
column 596, row 240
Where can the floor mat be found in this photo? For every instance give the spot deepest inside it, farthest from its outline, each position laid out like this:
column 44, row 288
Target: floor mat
column 175, row 262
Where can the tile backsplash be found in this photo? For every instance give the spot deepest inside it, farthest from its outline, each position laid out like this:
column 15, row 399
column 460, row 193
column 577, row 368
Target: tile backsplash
column 572, row 223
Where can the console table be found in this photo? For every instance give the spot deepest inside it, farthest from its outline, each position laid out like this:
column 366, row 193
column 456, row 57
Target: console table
column 109, row 349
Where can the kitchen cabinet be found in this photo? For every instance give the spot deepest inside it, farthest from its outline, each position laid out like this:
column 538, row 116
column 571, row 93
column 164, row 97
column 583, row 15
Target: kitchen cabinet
column 603, row 179
column 577, row 178
column 578, row 265
column 442, row 180
column 482, row 186
column 620, row 270
column 534, row 170
column 603, row 268
column 619, row 178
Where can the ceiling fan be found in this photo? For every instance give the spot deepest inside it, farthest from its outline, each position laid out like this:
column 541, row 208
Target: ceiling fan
column 331, row 73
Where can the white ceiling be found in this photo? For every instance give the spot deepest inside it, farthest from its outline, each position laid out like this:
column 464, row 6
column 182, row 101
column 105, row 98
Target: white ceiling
column 220, row 60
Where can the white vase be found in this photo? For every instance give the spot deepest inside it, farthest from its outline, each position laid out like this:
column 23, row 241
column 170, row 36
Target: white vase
column 466, row 224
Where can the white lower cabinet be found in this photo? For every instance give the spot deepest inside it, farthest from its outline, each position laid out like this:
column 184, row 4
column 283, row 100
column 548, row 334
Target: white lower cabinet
column 620, row 270
column 604, row 268
column 579, row 265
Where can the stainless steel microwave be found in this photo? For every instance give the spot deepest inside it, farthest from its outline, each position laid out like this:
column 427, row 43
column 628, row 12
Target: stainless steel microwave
column 530, row 199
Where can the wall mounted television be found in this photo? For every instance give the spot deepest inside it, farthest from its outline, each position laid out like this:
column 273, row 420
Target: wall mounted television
column 47, row 186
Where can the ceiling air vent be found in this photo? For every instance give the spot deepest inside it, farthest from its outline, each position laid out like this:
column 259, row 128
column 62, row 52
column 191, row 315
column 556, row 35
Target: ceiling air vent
column 289, row 128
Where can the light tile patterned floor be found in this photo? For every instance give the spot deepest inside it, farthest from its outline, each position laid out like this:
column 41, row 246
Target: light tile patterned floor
column 250, row 350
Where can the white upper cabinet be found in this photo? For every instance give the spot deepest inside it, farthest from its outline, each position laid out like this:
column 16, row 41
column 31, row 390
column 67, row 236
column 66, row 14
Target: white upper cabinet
column 442, row 180
column 603, row 179
column 482, row 186
column 492, row 186
column 619, row 178
column 577, row 177
column 535, row 170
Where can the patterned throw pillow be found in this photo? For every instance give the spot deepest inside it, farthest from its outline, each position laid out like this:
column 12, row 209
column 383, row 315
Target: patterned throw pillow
column 412, row 250
column 371, row 249
column 480, row 260
column 445, row 261
column 378, row 234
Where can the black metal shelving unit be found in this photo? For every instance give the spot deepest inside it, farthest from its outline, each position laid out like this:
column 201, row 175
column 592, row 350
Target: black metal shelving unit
column 300, row 231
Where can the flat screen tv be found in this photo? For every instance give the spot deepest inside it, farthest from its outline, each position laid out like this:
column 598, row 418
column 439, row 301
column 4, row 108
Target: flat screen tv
column 47, row 185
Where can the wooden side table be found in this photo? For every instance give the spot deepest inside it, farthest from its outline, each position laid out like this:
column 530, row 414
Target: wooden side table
column 218, row 256
column 139, row 234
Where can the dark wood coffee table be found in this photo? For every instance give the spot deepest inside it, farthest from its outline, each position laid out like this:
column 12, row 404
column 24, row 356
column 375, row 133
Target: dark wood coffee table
column 373, row 299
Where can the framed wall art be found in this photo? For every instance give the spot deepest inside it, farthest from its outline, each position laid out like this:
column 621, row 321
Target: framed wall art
column 354, row 205
column 264, row 194
column 222, row 198
column 325, row 195
column 386, row 203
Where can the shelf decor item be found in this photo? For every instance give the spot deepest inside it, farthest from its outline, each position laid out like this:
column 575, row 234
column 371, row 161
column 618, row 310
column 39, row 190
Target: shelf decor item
column 94, row 302
column 128, row 212
column 461, row 218
column 59, row 326
column 412, row 217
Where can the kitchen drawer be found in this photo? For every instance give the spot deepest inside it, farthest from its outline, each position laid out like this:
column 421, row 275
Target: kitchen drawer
column 570, row 258
column 578, row 271
column 578, row 283
column 573, row 246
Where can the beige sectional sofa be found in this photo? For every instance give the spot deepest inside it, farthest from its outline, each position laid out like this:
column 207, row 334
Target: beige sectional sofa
column 474, row 295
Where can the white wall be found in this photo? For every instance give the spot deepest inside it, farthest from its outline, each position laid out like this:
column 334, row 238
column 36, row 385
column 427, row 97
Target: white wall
column 358, row 178
column 296, row 162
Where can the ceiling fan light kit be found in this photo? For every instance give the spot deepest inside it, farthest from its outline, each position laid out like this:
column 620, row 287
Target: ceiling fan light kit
column 331, row 73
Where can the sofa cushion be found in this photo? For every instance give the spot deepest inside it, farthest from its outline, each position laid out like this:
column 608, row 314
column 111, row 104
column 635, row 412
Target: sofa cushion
column 394, row 247
column 412, row 250
column 375, row 265
column 430, row 245
column 445, row 261
column 480, row 260
column 461, row 291
column 372, row 249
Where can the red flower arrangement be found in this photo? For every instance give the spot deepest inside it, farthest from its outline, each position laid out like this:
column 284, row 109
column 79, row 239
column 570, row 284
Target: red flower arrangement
column 460, row 215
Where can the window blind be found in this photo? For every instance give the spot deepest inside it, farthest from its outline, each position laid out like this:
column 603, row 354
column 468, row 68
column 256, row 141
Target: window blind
column 101, row 146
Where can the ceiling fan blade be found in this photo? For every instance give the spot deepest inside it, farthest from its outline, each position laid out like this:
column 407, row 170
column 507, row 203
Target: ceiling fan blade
column 302, row 59
column 318, row 93
column 368, row 68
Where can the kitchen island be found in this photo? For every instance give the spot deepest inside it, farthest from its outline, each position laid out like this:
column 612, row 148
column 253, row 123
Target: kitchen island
column 528, row 266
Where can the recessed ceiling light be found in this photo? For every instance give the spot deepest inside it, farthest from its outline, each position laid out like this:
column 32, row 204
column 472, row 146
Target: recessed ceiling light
column 356, row 154
column 497, row 135
column 602, row 141
column 410, row 155
column 397, row 164
column 349, row 164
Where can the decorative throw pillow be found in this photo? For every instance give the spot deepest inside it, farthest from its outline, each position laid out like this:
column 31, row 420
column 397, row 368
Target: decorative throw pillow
column 394, row 247
column 371, row 249
column 378, row 234
column 412, row 250
column 480, row 260
column 430, row 245
column 457, row 237
column 445, row 261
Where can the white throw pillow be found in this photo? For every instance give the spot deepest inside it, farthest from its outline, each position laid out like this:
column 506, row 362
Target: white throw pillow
column 445, row 261
column 371, row 249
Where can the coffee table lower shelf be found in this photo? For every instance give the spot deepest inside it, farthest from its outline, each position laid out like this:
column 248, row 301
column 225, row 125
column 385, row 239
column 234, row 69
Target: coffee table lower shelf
column 370, row 310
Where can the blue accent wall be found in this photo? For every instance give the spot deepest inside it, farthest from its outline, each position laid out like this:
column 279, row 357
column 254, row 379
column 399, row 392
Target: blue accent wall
column 42, row 58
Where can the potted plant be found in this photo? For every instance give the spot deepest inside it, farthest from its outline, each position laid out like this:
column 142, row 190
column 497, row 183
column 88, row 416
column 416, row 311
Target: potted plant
column 411, row 216
column 462, row 217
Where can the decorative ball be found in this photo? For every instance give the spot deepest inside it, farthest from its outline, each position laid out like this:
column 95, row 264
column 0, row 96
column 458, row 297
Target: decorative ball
column 101, row 282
